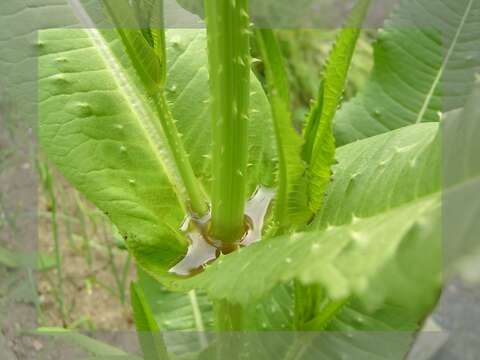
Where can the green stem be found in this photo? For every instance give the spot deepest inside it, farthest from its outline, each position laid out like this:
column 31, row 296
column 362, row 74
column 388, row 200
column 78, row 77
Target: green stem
column 229, row 317
column 229, row 68
column 229, row 323
column 194, row 190
column 277, row 83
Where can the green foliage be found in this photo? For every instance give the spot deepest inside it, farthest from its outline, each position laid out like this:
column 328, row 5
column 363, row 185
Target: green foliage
column 146, row 50
column 350, row 258
column 319, row 149
column 91, row 110
column 291, row 204
column 360, row 264
column 149, row 336
column 145, row 47
column 425, row 59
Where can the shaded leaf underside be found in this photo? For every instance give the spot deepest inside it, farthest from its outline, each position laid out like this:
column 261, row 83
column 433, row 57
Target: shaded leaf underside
column 425, row 59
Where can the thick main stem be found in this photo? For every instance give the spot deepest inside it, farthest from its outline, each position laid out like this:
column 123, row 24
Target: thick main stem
column 229, row 68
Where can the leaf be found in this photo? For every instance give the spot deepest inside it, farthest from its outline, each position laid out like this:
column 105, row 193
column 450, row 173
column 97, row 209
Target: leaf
column 187, row 90
column 424, row 64
column 319, row 149
column 149, row 336
column 97, row 126
column 390, row 170
column 93, row 346
column 101, row 133
column 375, row 257
column 345, row 260
column 291, row 204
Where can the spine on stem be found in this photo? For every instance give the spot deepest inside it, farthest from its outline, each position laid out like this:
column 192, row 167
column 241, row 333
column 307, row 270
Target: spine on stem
column 229, row 69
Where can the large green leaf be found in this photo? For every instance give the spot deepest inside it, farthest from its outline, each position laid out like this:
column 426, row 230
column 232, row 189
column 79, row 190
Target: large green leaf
column 346, row 260
column 393, row 169
column 97, row 126
column 375, row 257
column 103, row 136
column 425, row 59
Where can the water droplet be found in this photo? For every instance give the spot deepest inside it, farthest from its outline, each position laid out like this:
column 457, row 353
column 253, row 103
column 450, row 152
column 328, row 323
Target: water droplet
column 123, row 149
column 119, row 126
column 288, row 260
column 132, row 182
column 61, row 60
column 315, row 247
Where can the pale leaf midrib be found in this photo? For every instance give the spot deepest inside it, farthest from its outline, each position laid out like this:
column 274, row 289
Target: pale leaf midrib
column 443, row 67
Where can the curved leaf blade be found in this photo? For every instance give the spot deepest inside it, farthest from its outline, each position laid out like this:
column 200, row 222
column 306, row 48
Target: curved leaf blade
column 101, row 133
column 319, row 149
column 291, row 203
column 424, row 64
column 364, row 256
